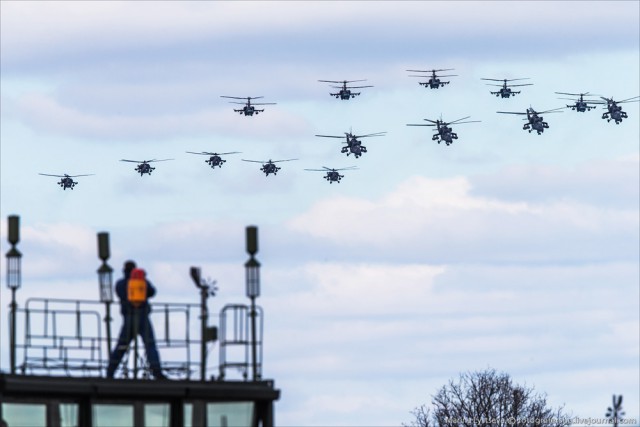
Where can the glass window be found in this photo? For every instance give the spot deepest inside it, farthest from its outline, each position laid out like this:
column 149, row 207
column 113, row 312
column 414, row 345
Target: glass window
column 68, row 415
column 106, row 415
column 188, row 414
column 156, row 415
column 227, row 414
column 25, row 414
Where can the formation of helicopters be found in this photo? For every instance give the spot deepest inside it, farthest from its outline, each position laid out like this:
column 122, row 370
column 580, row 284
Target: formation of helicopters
column 443, row 131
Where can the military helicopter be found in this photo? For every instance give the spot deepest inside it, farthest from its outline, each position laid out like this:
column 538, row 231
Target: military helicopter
column 66, row 181
column 249, row 108
column 504, row 90
column 353, row 144
column 535, row 121
column 581, row 104
column 434, row 82
column 614, row 111
column 332, row 174
column 443, row 131
column 345, row 92
column 215, row 159
column 144, row 166
column 269, row 166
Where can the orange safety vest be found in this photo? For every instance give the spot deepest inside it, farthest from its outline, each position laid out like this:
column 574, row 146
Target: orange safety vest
column 137, row 287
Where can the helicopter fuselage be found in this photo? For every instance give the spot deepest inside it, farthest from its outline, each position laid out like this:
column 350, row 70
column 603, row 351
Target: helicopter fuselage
column 270, row 168
column 354, row 146
column 614, row 112
column 67, row 182
column 333, row 176
column 215, row 161
column 143, row 168
column 345, row 94
column 535, row 122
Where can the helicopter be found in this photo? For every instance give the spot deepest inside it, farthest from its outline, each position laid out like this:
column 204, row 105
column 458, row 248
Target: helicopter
column 269, row 166
column 332, row 174
column 143, row 165
column 215, row 159
column 581, row 105
column 535, row 122
column 614, row 111
column 353, row 144
column 434, row 82
column 443, row 131
column 248, row 109
column 66, row 181
column 504, row 90
column 345, row 92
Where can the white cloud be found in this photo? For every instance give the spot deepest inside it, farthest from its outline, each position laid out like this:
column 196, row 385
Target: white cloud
column 441, row 216
column 45, row 114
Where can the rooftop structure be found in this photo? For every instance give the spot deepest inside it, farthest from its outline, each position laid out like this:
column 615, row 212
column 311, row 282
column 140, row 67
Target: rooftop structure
column 59, row 352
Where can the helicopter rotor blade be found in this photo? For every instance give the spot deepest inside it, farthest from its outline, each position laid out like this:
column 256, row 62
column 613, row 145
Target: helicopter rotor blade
column 264, row 103
column 48, row 174
column 358, row 87
column 410, row 124
column 331, row 136
column 132, row 161
column 510, row 112
column 635, row 98
column 523, row 84
column 431, row 71
column 158, row 160
column 470, row 121
column 75, row 176
column 455, row 121
column 286, row 160
column 254, row 161
column 555, row 110
column 370, row 134
column 241, row 97
column 342, row 81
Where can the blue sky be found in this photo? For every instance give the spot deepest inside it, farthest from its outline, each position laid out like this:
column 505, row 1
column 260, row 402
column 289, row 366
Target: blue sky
column 508, row 250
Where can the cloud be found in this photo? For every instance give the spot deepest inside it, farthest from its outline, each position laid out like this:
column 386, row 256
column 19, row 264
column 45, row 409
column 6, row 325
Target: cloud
column 439, row 219
column 45, row 114
column 58, row 29
column 612, row 183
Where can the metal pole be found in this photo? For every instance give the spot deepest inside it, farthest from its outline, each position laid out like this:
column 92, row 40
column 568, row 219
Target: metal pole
column 135, row 342
column 254, row 357
column 107, row 321
column 204, row 290
column 12, row 336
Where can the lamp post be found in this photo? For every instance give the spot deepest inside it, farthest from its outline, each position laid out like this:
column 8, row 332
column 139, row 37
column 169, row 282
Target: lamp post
column 13, row 281
column 252, row 270
column 105, row 281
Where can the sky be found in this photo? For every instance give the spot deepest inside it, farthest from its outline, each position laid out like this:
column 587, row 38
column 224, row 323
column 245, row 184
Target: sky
column 506, row 250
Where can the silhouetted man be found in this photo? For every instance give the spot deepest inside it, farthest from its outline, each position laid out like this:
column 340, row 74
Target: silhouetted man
column 134, row 290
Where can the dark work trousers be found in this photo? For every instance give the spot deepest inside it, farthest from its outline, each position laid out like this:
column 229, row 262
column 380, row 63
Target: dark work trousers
column 145, row 330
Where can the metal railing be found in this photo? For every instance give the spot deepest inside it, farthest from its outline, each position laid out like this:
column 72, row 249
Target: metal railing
column 60, row 336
